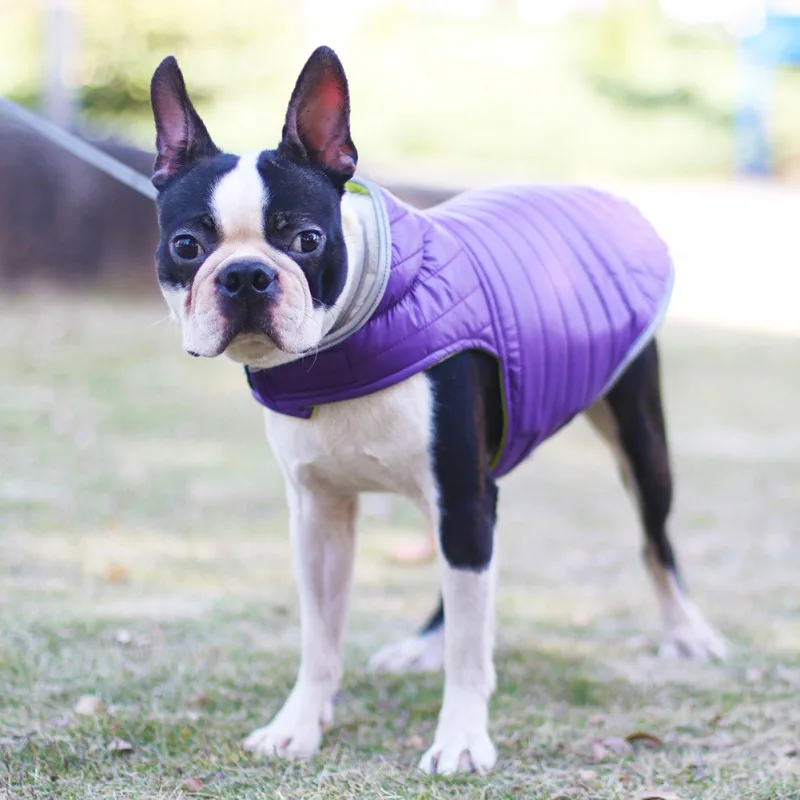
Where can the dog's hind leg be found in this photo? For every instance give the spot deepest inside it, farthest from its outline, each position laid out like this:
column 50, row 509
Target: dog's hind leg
column 422, row 652
column 630, row 418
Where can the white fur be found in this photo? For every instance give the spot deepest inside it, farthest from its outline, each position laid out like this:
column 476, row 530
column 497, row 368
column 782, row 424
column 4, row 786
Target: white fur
column 380, row 442
column 462, row 740
column 238, row 202
column 421, row 653
column 323, row 542
column 687, row 634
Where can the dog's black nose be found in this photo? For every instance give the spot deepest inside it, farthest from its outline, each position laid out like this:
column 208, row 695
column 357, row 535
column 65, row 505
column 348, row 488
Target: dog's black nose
column 245, row 277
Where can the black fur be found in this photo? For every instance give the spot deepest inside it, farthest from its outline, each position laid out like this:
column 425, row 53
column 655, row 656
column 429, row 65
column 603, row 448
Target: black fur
column 181, row 137
column 635, row 403
column 467, row 430
column 183, row 207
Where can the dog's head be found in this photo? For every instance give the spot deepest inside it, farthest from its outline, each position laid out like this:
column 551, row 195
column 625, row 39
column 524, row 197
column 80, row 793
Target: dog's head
column 252, row 256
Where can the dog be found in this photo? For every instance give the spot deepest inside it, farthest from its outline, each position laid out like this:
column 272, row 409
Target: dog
column 425, row 353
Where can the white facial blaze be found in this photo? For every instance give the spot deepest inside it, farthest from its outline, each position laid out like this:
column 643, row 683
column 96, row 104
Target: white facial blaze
column 239, row 201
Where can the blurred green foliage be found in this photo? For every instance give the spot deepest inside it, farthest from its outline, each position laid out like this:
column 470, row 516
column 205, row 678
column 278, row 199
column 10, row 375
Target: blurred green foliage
column 618, row 94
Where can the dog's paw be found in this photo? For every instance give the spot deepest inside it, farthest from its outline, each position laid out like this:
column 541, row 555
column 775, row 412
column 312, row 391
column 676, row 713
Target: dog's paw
column 417, row 654
column 694, row 640
column 459, row 750
column 462, row 742
column 295, row 733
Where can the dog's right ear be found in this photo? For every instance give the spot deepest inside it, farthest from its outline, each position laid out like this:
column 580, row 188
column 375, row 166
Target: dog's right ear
column 181, row 136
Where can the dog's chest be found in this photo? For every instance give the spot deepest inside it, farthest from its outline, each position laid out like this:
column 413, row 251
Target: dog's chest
column 379, row 442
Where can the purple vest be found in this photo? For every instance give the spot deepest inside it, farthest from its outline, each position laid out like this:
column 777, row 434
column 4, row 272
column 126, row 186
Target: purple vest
column 564, row 286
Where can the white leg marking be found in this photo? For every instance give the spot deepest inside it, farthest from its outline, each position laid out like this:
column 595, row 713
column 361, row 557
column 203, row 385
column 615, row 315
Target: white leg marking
column 462, row 742
column 687, row 634
column 421, row 653
column 323, row 544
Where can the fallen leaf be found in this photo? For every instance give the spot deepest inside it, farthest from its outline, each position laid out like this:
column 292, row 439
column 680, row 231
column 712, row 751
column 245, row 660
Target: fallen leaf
column 647, row 739
column 586, row 774
column 89, row 706
column 616, row 744
column 118, row 745
column 193, row 785
column 116, row 573
column 597, row 752
column 415, row 742
column 656, row 794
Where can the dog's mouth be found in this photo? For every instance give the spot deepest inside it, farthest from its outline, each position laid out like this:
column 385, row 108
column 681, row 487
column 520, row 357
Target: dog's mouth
column 255, row 335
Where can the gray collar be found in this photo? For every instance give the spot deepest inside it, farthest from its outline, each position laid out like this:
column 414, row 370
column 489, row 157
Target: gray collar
column 367, row 289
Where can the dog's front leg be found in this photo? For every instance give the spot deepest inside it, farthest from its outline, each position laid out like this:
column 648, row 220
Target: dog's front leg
column 323, row 542
column 462, row 742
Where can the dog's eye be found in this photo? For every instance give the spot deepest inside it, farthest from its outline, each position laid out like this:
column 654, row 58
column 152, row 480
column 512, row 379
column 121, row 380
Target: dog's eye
column 186, row 247
column 306, row 242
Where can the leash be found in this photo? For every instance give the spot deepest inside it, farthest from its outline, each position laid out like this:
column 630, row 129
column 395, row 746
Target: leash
column 82, row 149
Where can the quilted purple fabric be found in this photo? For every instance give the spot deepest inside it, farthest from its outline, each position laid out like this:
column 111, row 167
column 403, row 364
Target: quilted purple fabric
column 563, row 285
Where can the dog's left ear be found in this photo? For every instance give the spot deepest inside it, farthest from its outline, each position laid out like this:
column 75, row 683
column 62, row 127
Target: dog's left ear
column 317, row 128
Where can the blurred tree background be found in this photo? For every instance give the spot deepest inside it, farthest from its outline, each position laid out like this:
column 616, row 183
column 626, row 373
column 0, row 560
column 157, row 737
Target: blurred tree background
column 604, row 90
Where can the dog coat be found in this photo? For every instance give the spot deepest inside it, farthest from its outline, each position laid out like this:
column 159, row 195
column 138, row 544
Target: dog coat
column 563, row 286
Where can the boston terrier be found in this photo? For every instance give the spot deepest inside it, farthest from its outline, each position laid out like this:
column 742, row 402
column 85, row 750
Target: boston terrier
column 421, row 353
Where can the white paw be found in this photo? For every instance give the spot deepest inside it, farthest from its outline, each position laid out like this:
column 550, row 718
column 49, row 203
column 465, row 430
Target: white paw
column 416, row 654
column 295, row 733
column 693, row 640
column 462, row 743
column 459, row 751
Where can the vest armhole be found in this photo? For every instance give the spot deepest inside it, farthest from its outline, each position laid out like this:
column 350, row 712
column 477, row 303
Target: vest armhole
column 504, row 405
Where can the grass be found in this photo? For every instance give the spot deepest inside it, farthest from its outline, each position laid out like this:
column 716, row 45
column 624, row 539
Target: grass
column 144, row 561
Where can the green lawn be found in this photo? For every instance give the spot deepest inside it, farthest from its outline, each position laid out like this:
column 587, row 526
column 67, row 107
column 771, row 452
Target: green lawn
column 144, row 561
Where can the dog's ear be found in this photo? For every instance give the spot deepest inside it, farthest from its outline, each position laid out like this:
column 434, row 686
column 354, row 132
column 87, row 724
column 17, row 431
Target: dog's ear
column 317, row 129
column 181, row 136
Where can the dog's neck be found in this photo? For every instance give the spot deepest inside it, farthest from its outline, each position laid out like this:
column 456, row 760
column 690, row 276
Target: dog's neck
column 365, row 268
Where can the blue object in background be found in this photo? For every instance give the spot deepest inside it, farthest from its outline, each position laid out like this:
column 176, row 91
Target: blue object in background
column 776, row 44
